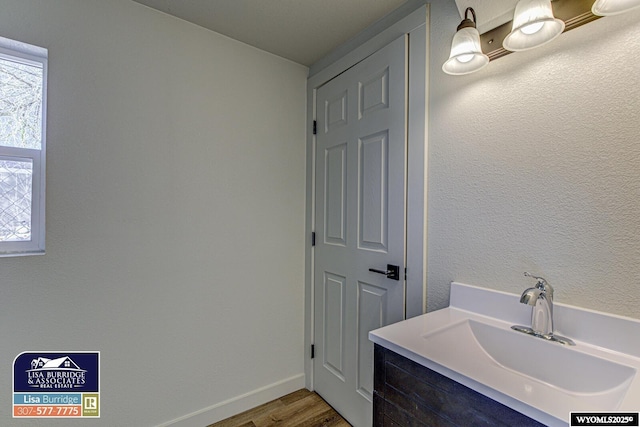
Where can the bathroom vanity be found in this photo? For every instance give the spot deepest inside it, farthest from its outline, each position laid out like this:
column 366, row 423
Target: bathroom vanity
column 464, row 365
column 409, row 394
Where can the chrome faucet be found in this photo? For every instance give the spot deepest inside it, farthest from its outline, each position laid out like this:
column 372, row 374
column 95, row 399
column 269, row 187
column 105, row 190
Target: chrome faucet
column 541, row 298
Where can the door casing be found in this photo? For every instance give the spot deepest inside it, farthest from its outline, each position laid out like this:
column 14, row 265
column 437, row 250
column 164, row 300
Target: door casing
column 414, row 23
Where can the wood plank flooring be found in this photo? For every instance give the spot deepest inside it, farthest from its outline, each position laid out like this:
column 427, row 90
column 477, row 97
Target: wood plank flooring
column 300, row 408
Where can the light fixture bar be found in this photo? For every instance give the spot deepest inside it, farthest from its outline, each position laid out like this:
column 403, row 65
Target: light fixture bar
column 574, row 13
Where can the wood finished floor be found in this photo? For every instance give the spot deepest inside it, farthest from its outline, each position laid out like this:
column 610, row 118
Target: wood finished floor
column 300, row 408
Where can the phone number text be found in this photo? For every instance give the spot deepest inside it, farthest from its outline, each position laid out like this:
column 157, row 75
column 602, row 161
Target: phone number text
column 47, row 411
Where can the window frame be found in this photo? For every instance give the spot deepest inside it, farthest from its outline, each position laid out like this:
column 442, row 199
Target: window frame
column 35, row 56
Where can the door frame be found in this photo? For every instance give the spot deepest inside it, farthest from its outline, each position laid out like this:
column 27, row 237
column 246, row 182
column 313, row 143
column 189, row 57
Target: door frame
column 412, row 19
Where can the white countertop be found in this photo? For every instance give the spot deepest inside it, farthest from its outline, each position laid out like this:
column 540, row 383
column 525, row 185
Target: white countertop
column 596, row 334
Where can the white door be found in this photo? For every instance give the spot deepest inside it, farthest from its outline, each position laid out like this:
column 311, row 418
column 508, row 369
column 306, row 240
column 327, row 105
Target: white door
column 360, row 224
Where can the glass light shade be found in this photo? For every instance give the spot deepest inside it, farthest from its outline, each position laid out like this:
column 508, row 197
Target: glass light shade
column 466, row 55
column 533, row 25
column 613, row 7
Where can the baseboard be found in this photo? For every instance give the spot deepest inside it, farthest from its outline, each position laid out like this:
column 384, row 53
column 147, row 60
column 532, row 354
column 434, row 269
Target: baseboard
column 236, row 405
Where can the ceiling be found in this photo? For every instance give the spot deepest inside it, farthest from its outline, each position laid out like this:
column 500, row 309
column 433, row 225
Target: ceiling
column 302, row 31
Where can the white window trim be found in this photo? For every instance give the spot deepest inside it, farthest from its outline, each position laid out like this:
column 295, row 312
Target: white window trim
column 32, row 55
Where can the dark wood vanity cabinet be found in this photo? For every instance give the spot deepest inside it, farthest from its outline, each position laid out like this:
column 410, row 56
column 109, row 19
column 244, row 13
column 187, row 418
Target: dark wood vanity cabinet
column 408, row 394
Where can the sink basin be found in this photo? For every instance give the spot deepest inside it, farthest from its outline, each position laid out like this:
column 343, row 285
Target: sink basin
column 471, row 342
column 488, row 353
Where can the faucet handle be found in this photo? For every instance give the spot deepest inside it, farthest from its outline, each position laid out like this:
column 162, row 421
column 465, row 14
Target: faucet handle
column 542, row 284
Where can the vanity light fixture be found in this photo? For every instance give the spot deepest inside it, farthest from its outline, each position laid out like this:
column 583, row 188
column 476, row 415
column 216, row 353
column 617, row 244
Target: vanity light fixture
column 466, row 55
column 613, row 7
column 533, row 25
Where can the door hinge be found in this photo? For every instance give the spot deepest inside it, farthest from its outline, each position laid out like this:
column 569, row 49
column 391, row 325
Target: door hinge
column 315, row 127
column 313, row 351
column 313, row 238
column 405, row 273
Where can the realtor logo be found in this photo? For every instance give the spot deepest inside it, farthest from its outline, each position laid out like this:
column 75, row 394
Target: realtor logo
column 58, row 373
column 56, row 384
column 55, row 373
column 90, row 402
column 90, row 405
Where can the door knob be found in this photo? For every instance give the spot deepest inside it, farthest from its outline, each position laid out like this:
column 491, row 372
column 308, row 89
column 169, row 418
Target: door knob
column 392, row 271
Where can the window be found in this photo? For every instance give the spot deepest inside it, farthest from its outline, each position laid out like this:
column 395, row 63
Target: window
column 23, row 83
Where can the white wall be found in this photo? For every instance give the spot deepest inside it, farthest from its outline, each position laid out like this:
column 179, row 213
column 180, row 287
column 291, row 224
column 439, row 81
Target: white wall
column 175, row 211
column 534, row 165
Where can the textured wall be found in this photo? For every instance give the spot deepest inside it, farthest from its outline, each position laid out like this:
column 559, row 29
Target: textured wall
column 535, row 166
column 175, row 211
